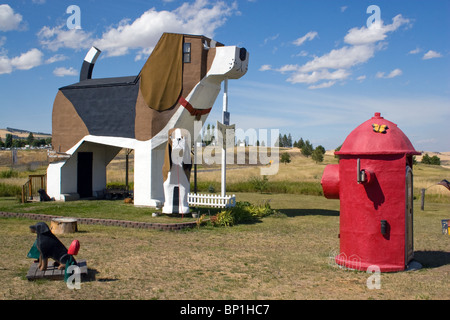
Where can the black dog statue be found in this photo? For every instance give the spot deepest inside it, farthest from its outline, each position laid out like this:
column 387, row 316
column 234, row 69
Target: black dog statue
column 49, row 246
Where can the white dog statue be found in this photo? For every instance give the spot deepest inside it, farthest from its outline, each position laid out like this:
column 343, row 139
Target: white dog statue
column 176, row 172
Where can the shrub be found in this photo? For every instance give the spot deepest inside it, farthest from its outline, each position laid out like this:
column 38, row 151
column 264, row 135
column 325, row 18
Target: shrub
column 434, row 160
column 243, row 212
column 259, row 184
column 250, row 185
column 119, row 185
column 285, row 158
column 224, row 218
column 9, row 174
column 317, row 155
column 7, row 190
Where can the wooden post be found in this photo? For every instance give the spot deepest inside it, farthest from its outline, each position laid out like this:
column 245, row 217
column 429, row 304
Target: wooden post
column 30, row 190
column 422, row 199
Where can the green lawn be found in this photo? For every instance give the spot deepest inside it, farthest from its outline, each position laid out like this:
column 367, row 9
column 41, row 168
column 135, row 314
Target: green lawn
column 285, row 256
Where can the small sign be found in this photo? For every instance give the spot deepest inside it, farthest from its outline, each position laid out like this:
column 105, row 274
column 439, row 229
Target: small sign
column 226, row 118
column 226, row 132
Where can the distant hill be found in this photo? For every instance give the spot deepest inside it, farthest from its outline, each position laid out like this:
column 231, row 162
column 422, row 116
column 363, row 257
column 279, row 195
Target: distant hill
column 22, row 134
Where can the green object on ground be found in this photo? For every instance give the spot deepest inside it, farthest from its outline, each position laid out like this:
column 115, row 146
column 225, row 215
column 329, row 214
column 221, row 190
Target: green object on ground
column 34, row 252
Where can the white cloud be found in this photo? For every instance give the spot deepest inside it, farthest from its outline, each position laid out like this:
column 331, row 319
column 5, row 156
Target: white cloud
column 343, row 8
column 265, row 67
column 307, row 37
column 431, row 55
column 5, row 65
column 345, row 57
column 323, row 85
column 302, row 53
column 62, row 72
column 56, row 58
column 319, row 75
column 142, row 34
column 362, row 44
column 361, row 78
column 394, row 73
column 25, row 61
column 415, row 51
column 272, row 38
column 61, row 37
column 28, row 60
column 376, row 32
column 8, row 19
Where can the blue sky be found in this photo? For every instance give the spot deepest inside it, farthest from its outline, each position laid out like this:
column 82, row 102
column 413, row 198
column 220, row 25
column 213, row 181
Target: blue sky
column 317, row 69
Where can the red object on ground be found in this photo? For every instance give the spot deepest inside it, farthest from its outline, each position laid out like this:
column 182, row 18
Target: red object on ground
column 373, row 181
column 74, row 247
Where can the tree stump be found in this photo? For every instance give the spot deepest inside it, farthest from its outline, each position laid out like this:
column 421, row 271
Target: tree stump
column 63, row 225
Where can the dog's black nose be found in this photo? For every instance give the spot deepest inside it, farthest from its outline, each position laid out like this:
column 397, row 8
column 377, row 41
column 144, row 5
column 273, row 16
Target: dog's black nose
column 243, row 54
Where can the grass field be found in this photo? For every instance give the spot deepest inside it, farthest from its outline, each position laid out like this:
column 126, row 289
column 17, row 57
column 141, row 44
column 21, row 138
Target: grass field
column 284, row 256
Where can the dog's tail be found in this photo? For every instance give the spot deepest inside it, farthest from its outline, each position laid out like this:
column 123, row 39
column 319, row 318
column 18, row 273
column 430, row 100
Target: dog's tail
column 88, row 63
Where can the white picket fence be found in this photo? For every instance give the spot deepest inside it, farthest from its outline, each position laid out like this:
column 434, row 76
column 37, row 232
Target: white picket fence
column 211, row 200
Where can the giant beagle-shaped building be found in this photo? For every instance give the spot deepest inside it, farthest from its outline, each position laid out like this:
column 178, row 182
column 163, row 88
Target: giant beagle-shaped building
column 94, row 119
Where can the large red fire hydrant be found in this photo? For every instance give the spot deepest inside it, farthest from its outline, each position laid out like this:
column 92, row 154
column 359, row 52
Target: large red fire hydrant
column 374, row 182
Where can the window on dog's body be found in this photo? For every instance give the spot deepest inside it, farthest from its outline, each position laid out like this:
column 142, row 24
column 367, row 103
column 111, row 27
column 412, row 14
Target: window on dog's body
column 187, row 53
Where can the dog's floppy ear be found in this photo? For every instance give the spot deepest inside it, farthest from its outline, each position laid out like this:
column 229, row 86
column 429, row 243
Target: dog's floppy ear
column 162, row 75
column 42, row 227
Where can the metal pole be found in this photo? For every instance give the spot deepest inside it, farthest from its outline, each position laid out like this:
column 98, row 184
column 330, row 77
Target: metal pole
column 224, row 150
column 126, row 169
column 195, row 166
column 422, row 199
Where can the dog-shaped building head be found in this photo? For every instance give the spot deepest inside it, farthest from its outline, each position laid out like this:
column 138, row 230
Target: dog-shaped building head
column 49, row 246
column 178, row 85
column 177, row 171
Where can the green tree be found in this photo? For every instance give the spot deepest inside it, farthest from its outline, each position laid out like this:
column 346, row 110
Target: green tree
column 284, row 141
column 317, row 155
column 321, row 148
column 285, row 158
column 300, row 143
column 307, row 149
column 30, row 139
column 426, row 159
column 8, row 140
column 435, row 160
column 289, row 141
column 337, row 149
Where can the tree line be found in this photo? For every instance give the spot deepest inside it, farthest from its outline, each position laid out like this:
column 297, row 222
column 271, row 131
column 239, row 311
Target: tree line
column 305, row 146
column 10, row 142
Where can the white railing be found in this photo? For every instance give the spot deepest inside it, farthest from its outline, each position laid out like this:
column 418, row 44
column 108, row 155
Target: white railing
column 211, row 200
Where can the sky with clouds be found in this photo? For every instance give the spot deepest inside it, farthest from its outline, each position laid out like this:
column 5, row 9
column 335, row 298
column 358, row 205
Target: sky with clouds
column 318, row 68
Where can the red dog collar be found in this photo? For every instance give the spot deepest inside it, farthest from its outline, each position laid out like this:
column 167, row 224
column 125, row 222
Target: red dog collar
column 194, row 112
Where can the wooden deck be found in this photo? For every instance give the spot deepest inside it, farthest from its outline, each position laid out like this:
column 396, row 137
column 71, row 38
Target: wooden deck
column 52, row 272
